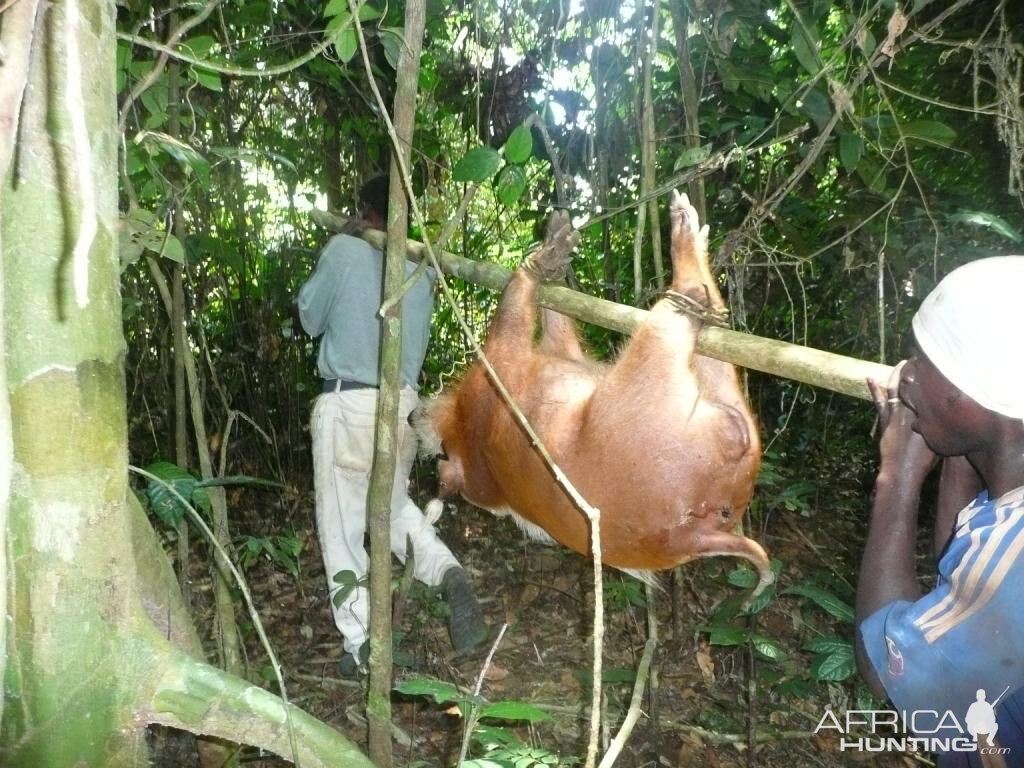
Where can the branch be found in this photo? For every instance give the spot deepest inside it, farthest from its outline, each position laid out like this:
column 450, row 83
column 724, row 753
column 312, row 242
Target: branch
column 154, row 74
column 838, row 373
column 230, row 69
column 197, row 697
column 642, row 673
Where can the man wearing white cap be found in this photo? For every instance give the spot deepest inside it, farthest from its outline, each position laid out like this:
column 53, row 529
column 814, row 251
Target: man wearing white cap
column 958, row 400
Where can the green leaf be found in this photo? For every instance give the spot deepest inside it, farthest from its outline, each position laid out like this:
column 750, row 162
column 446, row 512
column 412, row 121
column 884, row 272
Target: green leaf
column 209, row 80
column 872, row 173
column 173, row 249
column 162, row 501
column 479, row 164
column 768, row 648
column 804, row 48
column 183, row 154
column 519, row 146
column 745, row 578
column 835, row 666
column 491, row 736
column 336, row 7
column 346, row 45
column 345, row 578
column 511, row 185
column 393, row 40
column 824, row 600
column 439, row 691
column 851, row 149
column 692, row 156
column 139, row 232
column 337, row 25
column 514, row 710
column 816, row 105
column 486, row 762
column 368, row 13
column 727, row 635
column 199, row 46
column 428, row 78
column 826, row 645
column 761, row 601
column 929, row 132
column 990, row 220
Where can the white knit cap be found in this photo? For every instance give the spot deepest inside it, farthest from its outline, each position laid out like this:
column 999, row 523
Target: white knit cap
column 972, row 328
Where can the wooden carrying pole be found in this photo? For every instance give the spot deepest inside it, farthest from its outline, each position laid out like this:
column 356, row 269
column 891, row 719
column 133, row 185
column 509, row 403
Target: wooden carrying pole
column 846, row 375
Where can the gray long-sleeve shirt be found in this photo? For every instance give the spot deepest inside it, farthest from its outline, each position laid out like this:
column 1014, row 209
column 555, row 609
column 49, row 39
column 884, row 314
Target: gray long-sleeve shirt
column 340, row 301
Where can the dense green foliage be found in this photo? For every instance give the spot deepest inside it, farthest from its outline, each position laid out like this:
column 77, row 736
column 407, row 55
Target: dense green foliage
column 904, row 176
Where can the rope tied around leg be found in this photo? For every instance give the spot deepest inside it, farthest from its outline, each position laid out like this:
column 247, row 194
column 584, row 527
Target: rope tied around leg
column 702, row 311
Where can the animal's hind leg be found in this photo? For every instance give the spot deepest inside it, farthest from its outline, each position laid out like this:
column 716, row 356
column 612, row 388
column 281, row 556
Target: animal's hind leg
column 692, row 277
column 690, row 273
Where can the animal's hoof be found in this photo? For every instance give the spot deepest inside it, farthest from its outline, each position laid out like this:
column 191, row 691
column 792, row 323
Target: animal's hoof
column 552, row 259
column 685, row 221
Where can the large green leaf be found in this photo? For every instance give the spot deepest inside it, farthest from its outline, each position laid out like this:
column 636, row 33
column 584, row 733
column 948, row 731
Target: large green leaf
column 827, row 645
column 851, row 149
column 804, row 48
column 836, row 666
column 439, row 691
column 139, row 232
column 511, row 185
column 929, row 132
column 184, row 154
column 692, row 156
column 823, row 599
column 162, row 500
column 479, row 164
column 727, row 635
column 989, row 220
column 816, row 105
column 393, row 40
column 519, row 146
column 346, row 44
column 514, row 710
column 768, row 648
column 199, row 46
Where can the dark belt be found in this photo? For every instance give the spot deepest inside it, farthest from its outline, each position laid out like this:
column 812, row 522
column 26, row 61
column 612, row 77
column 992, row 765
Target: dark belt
column 341, row 385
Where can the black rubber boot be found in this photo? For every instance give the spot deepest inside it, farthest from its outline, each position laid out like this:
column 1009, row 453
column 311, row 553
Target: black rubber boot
column 466, row 621
column 351, row 668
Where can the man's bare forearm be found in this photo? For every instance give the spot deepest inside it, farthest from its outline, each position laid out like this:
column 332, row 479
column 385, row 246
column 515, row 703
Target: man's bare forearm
column 887, row 572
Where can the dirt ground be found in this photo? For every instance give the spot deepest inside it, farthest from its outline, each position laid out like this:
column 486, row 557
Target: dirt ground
column 705, row 704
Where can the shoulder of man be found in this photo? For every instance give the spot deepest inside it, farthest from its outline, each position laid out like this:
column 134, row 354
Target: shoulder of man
column 348, row 245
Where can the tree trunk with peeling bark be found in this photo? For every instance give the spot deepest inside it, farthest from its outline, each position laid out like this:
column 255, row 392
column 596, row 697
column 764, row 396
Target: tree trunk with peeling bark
column 99, row 644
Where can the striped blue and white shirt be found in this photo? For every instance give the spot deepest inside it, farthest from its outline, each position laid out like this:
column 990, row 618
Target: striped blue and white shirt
column 967, row 634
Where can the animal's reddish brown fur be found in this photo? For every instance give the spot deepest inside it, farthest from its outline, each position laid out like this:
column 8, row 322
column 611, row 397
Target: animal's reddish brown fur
column 662, row 441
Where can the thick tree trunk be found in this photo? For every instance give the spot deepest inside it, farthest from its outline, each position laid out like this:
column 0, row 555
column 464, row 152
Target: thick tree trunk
column 16, row 36
column 846, row 375
column 96, row 623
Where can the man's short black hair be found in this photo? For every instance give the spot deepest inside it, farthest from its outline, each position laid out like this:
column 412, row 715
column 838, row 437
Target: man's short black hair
column 374, row 194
